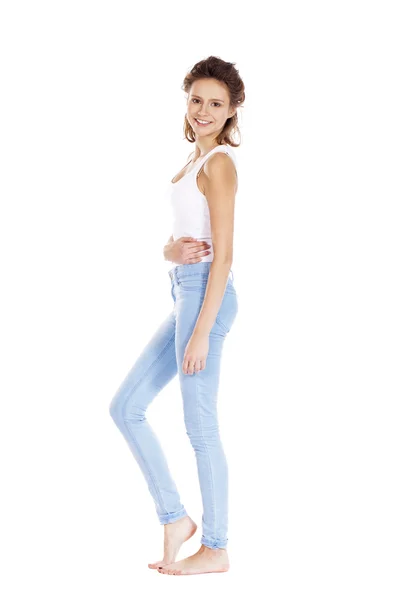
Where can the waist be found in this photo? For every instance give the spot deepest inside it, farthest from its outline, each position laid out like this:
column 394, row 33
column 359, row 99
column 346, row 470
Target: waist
column 180, row 272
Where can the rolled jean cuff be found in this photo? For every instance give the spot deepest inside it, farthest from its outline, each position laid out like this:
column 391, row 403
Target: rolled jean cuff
column 214, row 544
column 172, row 517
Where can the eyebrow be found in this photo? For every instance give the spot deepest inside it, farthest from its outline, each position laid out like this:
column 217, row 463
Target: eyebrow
column 196, row 96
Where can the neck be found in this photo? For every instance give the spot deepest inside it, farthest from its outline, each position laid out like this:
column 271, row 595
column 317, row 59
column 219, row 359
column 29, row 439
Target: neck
column 204, row 148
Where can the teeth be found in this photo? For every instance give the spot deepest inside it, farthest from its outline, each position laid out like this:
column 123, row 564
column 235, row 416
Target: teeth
column 204, row 122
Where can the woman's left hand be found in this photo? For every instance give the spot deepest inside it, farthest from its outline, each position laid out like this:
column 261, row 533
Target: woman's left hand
column 196, row 352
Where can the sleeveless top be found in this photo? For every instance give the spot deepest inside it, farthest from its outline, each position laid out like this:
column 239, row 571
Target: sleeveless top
column 189, row 207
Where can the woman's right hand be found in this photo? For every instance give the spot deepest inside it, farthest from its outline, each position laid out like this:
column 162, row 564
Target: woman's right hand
column 186, row 250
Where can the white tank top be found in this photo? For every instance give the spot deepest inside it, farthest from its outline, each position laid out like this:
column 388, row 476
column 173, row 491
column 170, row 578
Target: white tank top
column 189, row 207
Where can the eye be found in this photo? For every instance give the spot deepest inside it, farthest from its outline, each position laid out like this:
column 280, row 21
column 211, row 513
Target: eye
column 197, row 100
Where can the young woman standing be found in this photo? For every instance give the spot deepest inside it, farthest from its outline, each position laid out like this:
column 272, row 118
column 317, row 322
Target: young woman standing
column 190, row 340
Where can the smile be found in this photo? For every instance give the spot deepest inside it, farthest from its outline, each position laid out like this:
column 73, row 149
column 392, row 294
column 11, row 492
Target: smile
column 202, row 123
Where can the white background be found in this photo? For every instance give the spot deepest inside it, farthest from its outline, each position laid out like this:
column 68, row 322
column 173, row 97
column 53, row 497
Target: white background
column 91, row 133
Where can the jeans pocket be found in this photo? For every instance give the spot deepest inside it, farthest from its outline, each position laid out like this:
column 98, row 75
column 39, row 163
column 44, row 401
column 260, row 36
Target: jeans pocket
column 227, row 312
column 172, row 291
column 194, row 284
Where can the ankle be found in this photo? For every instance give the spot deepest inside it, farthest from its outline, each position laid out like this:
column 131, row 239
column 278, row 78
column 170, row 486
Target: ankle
column 176, row 524
column 214, row 551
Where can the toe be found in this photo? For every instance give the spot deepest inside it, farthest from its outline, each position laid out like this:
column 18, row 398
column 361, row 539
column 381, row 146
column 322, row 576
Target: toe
column 156, row 565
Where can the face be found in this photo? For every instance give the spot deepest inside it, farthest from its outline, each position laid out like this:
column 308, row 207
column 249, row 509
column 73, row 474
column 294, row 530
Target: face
column 208, row 100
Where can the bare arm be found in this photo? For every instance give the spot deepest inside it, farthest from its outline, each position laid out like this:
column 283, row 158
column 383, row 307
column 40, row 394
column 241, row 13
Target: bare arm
column 220, row 185
column 185, row 250
column 167, row 247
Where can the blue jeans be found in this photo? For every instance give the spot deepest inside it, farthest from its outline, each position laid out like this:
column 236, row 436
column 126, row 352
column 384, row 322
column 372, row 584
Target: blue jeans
column 158, row 363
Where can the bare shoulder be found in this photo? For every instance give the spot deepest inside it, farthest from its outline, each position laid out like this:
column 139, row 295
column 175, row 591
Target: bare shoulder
column 219, row 167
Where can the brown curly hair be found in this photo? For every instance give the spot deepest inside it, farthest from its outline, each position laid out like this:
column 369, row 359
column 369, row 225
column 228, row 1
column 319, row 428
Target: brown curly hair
column 225, row 72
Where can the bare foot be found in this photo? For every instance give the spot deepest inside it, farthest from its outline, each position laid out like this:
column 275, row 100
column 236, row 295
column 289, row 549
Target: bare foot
column 174, row 535
column 206, row 560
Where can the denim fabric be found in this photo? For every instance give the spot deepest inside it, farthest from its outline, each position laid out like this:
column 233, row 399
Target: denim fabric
column 158, row 363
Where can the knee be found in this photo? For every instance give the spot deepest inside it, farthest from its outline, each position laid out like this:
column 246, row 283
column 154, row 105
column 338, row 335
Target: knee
column 201, row 436
column 115, row 407
column 124, row 409
column 118, row 405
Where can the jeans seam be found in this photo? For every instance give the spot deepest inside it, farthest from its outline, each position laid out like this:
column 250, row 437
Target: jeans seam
column 130, row 434
column 165, row 368
column 220, row 323
column 208, row 457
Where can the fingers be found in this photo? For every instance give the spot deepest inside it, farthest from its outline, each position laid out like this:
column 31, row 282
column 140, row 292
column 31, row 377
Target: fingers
column 199, row 249
column 197, row 253
column 189, row 366
column 198, row 246
column 194, row 251
column 193, row 258
column 200, row 254
column 192, row 242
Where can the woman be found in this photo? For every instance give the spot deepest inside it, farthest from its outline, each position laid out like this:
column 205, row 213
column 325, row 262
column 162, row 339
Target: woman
column 190, row 340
